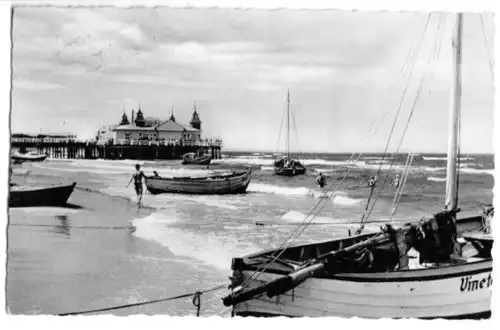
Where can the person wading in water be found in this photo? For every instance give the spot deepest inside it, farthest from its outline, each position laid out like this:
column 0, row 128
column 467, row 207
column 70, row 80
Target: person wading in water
column 320, row 180
column 395, row 182
column 137, row 178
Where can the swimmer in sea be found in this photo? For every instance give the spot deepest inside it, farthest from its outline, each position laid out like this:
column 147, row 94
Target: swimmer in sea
column 137, row 178
column 395, row 182
column 320, row 180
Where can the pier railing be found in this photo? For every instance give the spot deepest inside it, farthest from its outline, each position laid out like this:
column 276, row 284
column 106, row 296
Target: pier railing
column 176, row 143
column 48, row 140
column 123, row 142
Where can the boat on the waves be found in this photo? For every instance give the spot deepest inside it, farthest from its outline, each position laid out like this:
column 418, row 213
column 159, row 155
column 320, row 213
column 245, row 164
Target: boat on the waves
column 192, row 158
column 28, row 157
column 26, row 196
column 230, row 182
column 438, row 267
column 288, row 166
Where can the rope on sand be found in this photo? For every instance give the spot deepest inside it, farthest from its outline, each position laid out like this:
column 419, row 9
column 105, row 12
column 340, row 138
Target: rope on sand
column 196, row 302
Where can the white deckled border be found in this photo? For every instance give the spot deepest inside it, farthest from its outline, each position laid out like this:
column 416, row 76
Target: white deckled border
column 165, row 322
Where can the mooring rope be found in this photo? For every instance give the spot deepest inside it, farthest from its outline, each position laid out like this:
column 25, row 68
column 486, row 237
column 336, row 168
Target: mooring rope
column 196, row 300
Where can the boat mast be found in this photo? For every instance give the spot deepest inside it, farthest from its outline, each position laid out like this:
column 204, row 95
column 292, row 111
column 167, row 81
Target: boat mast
column 453, row 134
column 288, row 126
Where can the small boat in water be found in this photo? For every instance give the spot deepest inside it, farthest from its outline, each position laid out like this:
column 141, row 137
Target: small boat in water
column 231, row 182
column 194, row 159
column 287, row 166
column 28, row 157
column 25, row 196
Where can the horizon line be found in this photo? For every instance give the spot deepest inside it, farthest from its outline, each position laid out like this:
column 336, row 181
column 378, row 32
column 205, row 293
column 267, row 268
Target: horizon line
column 350, row 152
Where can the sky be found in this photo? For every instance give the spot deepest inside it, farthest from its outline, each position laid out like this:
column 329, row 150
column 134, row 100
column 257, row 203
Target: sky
column 76, row 69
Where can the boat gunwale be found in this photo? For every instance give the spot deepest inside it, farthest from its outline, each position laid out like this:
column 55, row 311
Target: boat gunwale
column 246, row 263
column 261, row 253
column 407, row 275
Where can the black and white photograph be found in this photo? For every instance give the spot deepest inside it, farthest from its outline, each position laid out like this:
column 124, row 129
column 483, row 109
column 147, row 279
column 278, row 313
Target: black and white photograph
column 250, row 162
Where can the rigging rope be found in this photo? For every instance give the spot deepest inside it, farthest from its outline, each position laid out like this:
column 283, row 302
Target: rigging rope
column 487, row 46
column 402, row 138
column 196, row 302
column 403, row 97
column 291, row 238
column 281, row 129
column 393, row 127
column 407, row 169
column 458, row 155
column 282, row 249
column 399, row 191
column 296, row 133
column 298, row 230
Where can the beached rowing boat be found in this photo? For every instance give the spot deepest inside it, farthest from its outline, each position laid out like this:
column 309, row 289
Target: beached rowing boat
column 28, row 157
column 374, row 275
column 222, row 183
column 25, row 196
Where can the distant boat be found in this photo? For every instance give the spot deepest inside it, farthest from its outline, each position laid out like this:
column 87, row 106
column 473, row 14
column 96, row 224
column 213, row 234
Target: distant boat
column 24, row 196
column 28, row 157
column 194, row 159
column 287, row 166
column 219, row 183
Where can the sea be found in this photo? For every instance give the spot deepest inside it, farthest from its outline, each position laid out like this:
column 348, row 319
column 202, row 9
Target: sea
column 103, row 251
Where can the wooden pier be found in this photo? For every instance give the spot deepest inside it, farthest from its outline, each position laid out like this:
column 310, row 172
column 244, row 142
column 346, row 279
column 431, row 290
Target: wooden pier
column 143, row 150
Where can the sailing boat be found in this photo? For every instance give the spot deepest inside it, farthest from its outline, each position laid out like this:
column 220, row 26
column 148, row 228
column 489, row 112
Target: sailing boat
column 287, row 166
column 371, row 275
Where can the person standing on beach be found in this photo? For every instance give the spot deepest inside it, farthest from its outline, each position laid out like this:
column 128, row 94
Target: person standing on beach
column 137, row 178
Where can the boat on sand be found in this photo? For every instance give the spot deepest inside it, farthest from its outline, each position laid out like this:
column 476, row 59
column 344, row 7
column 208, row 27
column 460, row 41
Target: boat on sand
column 26, row 196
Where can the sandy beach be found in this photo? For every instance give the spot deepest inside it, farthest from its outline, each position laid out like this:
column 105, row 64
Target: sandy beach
column 83, row 256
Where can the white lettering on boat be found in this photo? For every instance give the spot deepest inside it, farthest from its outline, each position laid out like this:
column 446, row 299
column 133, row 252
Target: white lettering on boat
column 469, row 284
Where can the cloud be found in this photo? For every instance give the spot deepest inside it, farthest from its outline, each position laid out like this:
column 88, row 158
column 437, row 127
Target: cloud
column 239, row 64
column 35, row 85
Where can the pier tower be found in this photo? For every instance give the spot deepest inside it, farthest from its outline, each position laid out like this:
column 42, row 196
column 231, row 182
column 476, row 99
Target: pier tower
column 124, row 120
column 139, row 121
column 195, row 119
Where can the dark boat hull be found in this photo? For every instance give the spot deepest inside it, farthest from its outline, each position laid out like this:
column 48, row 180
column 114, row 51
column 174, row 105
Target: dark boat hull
column 286, row 171
column 294, row 168
column 202, row 160
column 53, row 196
